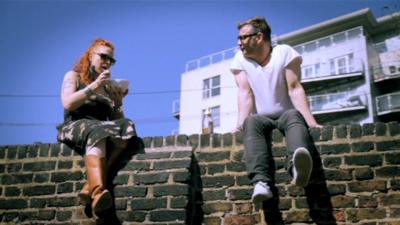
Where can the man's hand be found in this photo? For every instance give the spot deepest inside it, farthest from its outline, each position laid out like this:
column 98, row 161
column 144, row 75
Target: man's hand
column 315, row 125
column 237, row 129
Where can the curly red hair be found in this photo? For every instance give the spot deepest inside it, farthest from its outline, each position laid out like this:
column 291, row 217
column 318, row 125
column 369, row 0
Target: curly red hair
column 83, row 65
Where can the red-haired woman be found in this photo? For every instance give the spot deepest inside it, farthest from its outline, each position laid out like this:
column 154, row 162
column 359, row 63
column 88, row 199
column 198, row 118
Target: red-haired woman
column 94, row 123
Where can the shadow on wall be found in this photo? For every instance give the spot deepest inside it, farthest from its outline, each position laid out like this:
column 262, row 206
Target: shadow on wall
column 194, row 210
column 317, row 195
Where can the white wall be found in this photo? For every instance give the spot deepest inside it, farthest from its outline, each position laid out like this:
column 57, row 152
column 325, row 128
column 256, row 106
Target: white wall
column 192, row 103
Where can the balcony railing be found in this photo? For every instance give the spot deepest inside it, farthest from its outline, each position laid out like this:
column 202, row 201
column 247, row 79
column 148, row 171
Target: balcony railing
column 388, row 103
column 332, row 69
column 387, row 71
column 211, row 59
column 337, row 102
column 218, row 56
column 176, row 108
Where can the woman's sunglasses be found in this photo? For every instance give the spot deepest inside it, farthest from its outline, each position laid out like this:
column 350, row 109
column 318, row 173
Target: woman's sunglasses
column 106, row 57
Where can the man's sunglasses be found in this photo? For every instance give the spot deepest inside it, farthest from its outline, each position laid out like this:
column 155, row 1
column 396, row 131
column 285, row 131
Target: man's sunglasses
column 106, row 57
column 245, row 36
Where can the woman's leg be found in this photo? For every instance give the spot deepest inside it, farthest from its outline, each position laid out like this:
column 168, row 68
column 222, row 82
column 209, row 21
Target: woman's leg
column 96, row 175
column 118, row 146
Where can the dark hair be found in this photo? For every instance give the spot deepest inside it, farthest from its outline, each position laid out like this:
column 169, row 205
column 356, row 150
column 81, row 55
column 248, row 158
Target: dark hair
column 259, row 24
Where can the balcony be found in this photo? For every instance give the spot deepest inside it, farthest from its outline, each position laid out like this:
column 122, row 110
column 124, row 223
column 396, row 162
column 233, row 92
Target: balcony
column 176, row 108
column 211, row 59
column 338, row 102
column 390, row 70
column 388, row 103
column 218, row 57
column 337, row 68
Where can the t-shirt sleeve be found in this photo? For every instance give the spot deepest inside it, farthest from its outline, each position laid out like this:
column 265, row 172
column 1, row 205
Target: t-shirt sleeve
column 237, row 62
column 290, row 55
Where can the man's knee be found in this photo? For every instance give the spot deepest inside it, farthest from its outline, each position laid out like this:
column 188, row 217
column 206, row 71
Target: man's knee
column 293, row 115
column 252, row 122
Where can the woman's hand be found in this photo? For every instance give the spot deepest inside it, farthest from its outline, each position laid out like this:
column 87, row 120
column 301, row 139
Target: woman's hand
column 101, row 80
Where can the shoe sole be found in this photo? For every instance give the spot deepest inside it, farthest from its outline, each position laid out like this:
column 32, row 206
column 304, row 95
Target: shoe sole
column 260, row 198
column 303, row 164
column 84, row 198
column 103, row 202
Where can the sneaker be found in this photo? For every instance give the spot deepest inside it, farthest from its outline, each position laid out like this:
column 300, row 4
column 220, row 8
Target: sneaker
column 302, row 167
column 261, row 192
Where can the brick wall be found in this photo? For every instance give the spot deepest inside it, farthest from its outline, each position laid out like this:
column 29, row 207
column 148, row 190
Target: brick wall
column 201, row 179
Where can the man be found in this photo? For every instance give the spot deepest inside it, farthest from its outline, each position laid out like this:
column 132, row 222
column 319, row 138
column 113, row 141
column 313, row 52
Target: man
column 271, row 96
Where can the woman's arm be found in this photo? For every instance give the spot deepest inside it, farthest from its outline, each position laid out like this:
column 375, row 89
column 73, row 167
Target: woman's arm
column 71, row 97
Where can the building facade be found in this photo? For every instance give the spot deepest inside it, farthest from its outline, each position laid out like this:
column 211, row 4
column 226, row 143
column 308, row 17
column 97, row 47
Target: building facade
column 350, row 72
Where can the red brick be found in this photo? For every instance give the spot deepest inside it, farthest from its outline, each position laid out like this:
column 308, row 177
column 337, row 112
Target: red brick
column 242, row 208
column 239, row 220
column 340, row 216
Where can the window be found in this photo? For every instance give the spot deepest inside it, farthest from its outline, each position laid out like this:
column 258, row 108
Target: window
column 307, row 71
column 211, row 87
column 342, row 64
column 311, row 70
column 216, row 115
column 215, row 118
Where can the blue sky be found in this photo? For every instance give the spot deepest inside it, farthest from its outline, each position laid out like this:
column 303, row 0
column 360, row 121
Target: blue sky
column 41, row 40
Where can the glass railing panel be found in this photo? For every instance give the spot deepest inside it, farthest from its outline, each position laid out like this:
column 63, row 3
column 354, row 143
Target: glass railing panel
column 332, row 68
column 388, row 102
column 386, row 71
column 211, row 59
column 176, row 106
column 192, row 65
column 337, row 101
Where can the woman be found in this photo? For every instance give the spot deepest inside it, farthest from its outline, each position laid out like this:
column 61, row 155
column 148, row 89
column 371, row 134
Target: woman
column 94, row 123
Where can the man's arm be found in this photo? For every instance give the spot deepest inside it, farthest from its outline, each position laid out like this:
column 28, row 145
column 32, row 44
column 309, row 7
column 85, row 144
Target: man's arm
column 297, row 93
column 245, row 98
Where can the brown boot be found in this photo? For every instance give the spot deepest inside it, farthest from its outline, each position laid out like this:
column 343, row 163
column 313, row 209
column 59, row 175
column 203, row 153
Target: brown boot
column 96, row 174
column 85, row 195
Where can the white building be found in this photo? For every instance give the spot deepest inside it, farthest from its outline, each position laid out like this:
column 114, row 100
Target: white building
column 350, row 71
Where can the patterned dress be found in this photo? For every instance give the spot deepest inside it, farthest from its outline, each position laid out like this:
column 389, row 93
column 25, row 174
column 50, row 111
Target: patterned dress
column 92, row 122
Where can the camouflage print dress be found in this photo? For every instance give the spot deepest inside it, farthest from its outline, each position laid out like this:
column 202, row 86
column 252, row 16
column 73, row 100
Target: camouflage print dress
column 92, row 122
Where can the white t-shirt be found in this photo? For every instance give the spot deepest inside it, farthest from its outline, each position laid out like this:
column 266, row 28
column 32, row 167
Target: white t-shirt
column 268, row 82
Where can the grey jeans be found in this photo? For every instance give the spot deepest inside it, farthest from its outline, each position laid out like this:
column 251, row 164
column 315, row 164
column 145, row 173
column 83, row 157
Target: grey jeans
column 257, row 142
